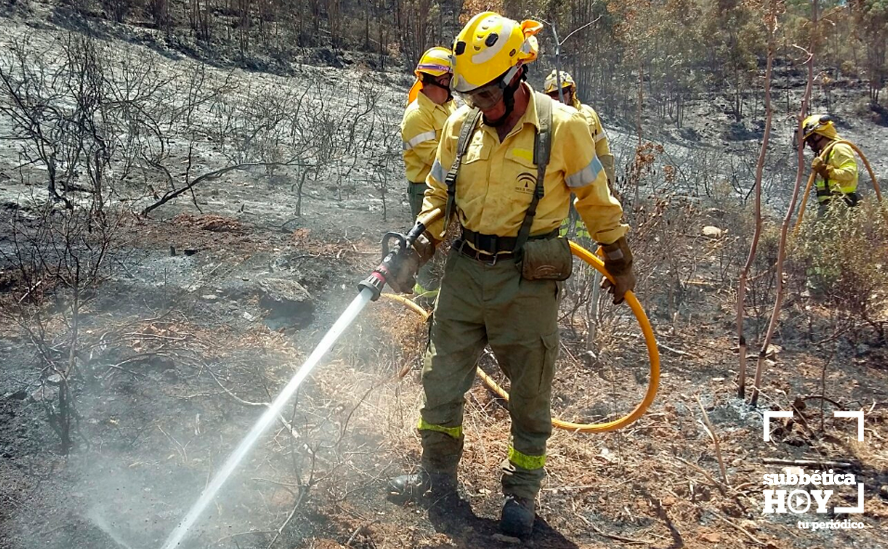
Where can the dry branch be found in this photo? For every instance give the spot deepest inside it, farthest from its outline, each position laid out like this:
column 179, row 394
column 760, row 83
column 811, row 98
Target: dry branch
column 604, row 534
column 718, row 484
column 215, row 174
column 714, row 437
column 738, row 527
column 289, row 518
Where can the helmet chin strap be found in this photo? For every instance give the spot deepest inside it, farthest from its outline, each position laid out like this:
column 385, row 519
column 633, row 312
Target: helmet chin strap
column 432, row 82
column 508, row 99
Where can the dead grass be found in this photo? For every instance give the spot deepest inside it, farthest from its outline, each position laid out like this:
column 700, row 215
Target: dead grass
column 209, row 222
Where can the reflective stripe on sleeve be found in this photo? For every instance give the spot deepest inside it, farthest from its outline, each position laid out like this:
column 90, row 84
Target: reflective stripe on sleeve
column 525, row 461
column 454, row 432
column 585, row 176
column 421, row 138
column 438, row 171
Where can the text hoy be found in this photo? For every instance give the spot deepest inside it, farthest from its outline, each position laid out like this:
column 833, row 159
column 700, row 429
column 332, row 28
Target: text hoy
column 801, row 501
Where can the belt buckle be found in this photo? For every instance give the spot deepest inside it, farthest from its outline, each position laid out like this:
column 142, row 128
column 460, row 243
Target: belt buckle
column 492, row 261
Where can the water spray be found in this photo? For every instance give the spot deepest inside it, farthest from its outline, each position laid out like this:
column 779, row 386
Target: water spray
column 369, row 290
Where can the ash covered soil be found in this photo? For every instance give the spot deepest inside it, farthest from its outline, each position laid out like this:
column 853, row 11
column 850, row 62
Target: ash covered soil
column 207, row 313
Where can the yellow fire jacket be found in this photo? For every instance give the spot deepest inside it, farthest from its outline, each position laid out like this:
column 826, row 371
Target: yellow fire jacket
column 602, row 147
column 841, row 165
column 497, row 179
column 420, row 131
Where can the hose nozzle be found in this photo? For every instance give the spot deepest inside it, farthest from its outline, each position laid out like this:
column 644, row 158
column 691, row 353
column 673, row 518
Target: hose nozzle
column 392, row 255
column 375, row 282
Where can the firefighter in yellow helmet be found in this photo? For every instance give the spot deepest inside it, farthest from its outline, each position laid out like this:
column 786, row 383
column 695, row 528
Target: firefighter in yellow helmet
column 569, row 92
column 837, row 171
column 429, row 104
column 506, row 166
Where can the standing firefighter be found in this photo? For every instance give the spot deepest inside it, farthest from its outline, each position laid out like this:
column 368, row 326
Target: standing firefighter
column 500, row 284
column 429, row 104
column 569, row 92
column 837, row 171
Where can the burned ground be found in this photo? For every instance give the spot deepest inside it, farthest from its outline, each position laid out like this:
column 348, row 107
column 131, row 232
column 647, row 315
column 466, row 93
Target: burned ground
column 202, row 315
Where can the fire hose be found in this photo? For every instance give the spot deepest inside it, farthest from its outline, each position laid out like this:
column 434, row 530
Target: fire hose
column 640, row 316
column 811, row 177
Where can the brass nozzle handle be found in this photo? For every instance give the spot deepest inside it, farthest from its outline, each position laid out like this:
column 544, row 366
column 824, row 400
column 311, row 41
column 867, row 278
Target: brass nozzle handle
column 429, row 218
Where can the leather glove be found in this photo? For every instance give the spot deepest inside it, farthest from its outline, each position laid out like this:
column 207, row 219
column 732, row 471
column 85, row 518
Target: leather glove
column 402, row 272
column 424, row 246
column 405, row 265
column 618, row 262
column 821, row 167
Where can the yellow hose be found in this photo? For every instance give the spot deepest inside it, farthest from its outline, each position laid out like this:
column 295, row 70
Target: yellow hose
column 649, row 339
column 409, row 303
column 811, row 177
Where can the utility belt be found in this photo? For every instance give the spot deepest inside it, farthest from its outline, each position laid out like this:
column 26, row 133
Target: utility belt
column 543, row 257
column 492, row 244
column 462, row 246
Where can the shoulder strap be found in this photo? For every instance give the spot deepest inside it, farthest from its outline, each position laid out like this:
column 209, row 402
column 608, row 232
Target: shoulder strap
column 542, row 146
column 462, row 145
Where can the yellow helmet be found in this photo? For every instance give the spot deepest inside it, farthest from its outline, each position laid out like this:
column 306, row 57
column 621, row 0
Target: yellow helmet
column 821, row 124
column 551, row 84
column 492, row 47
column 435, row 61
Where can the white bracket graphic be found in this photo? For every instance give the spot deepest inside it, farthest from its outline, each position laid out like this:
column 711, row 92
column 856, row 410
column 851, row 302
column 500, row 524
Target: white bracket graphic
column 859, row 508
column 767, row 423
column 859, row 415
column 766, row 435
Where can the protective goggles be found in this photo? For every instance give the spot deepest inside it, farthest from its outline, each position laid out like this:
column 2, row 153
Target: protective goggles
column 805, row 141
column 486, row 96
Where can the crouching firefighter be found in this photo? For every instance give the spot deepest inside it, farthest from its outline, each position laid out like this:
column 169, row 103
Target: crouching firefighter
column 834, row 163
column 506, row 165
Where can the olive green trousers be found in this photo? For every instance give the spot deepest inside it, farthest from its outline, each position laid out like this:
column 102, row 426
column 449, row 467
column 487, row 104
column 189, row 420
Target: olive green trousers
column 480, row 304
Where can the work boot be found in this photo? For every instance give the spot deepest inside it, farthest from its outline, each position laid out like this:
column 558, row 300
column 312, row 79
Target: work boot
column 517, row 517
column 421, row 484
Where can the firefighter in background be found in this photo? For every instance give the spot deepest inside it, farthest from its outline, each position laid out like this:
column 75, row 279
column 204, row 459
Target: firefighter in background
column 429, row 104
column 506, row 166
column 569, row 91
column 837, row 172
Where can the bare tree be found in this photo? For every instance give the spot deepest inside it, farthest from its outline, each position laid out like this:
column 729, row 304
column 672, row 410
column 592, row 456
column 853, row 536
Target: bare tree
column 60, row 257
column 772, row 12
column 387, row 160
column 784, row 229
